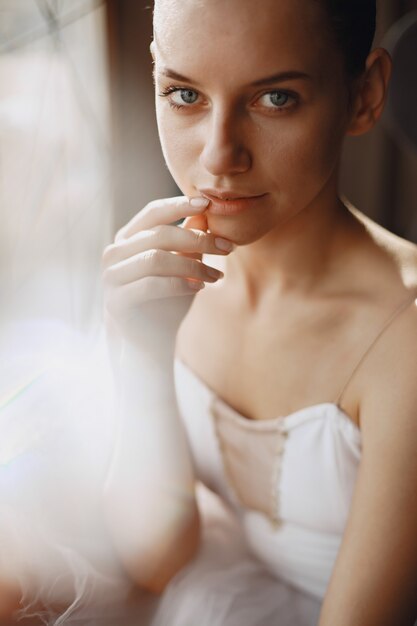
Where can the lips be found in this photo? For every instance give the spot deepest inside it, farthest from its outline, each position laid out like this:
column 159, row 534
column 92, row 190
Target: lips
column 213, row 194
column 229, row 202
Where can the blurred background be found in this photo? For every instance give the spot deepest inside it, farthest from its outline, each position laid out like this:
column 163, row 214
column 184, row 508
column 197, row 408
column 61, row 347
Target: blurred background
column 79, row 152
column 56, row 211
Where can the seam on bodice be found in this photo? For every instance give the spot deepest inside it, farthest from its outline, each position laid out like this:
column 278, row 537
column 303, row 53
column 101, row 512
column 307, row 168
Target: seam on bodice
column 238, row 453
column 276, row 479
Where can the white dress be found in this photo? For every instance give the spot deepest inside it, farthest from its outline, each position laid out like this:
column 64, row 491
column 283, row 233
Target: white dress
column 275, row 497
column 267, row 557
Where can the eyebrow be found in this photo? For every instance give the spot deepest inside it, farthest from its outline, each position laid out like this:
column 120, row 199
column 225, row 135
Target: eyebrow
column 268, row 80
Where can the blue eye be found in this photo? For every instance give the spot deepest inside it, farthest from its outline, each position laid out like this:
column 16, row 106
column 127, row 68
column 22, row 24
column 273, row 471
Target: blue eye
column 180, row 97
column 188, row 96
column 277, row 100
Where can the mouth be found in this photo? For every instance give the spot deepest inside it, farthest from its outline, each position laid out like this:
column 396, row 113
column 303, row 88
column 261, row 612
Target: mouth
column 230, row 202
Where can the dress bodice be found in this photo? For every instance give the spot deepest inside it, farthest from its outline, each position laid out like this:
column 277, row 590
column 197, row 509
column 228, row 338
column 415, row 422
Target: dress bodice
column 289, row 480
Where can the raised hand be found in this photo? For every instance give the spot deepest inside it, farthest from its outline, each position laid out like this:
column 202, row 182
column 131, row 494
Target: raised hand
column 153, row 270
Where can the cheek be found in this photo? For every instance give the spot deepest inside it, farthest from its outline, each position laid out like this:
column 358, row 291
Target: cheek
column 318, row 143
column 178, row 146
column 305, row 155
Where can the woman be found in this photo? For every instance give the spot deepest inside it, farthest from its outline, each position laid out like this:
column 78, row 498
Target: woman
column 294, row 368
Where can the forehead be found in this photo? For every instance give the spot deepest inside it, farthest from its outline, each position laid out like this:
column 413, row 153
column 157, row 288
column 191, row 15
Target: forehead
column 257, row 36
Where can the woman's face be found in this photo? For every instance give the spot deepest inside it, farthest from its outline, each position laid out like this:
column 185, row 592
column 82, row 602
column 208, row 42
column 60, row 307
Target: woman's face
column 251, row 100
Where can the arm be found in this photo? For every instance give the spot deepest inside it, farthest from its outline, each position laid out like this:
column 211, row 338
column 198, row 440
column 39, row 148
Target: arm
column 149, row 495
column 374, row 582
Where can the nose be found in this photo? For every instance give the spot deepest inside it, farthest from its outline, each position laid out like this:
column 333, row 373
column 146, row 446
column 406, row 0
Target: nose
column 224, row 152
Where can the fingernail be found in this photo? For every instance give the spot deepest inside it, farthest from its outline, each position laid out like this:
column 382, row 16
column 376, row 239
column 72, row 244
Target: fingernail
column 193, row 284
column 199, row 203
column 223, row 244
column 211, row 271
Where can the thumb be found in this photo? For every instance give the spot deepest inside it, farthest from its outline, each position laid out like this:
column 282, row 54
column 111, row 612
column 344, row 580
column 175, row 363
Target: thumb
column 197, row 222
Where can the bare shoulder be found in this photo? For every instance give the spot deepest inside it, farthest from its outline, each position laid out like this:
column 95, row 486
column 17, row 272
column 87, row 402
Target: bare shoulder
column 400, row 251
column 392, row 363
column 384, row 267
column 395, row 288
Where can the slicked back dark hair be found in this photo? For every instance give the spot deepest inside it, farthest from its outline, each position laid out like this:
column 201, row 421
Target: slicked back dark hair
column 352, row 24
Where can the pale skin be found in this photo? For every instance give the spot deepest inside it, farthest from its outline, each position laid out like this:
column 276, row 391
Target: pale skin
column 308, row 278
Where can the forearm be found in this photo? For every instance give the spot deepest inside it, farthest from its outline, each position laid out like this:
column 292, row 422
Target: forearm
column 149, row 493
column 362, row 605
column 355, row 616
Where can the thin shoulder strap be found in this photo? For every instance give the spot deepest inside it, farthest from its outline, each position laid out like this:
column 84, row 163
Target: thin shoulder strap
column 388, row 323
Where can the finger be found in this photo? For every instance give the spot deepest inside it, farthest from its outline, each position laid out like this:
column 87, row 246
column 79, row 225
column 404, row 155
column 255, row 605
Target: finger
column 158, row 263
column 183, row 241
column 196, row 222
column 164, row 211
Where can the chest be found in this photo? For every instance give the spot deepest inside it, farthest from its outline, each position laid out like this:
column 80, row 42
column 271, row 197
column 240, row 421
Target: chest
column 271, row 364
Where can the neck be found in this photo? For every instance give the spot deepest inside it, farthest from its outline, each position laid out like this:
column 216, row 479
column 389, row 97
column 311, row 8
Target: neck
column 298, row 256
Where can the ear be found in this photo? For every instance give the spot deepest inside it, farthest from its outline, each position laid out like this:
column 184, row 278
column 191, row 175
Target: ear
column 152, row 50
column 371, row 92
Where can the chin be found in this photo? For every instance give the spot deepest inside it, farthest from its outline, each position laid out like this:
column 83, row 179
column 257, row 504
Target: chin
column 240, row 232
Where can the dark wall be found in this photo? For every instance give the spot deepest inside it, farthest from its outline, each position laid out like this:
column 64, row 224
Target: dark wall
column 140, row 173
column 379, row 174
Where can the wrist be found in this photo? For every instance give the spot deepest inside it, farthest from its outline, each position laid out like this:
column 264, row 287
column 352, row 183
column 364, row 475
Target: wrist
column 147, row 360
column 157, row 346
